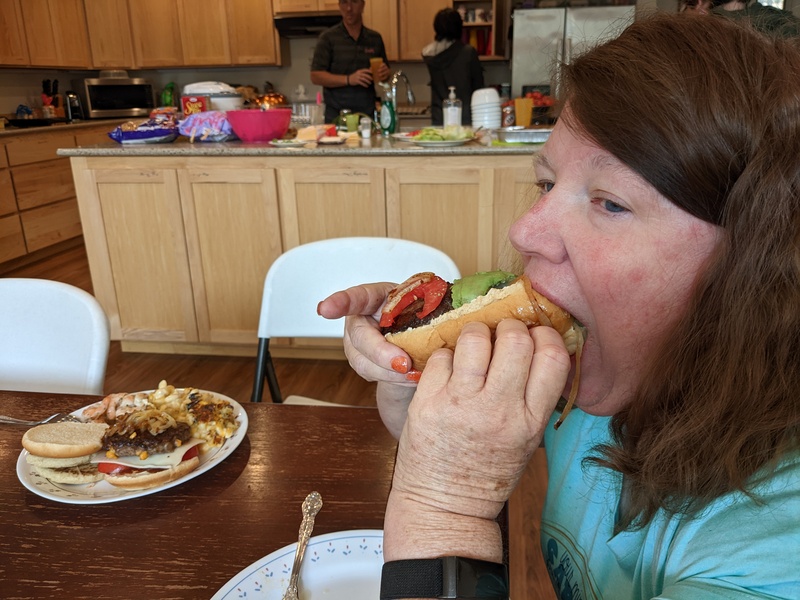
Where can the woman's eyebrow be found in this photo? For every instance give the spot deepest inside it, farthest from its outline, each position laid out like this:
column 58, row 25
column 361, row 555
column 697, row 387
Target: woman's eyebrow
column 540, row 159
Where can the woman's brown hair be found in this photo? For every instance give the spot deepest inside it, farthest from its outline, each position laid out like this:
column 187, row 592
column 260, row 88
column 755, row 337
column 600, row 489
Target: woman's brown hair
column 708, row 112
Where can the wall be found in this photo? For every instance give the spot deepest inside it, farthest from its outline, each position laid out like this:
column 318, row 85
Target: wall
column 23, row 86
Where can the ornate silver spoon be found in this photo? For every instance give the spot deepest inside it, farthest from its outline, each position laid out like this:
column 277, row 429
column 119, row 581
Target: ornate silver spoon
column 311, row 506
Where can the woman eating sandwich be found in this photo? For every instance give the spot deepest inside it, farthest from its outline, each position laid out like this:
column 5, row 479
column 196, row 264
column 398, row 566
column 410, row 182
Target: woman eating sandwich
column 668, row 226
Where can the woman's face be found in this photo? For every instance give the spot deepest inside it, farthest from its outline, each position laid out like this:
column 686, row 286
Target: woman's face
column 606, row 246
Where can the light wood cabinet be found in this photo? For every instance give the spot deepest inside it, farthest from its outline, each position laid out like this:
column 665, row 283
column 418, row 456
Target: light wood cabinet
column 156, row 33
column 382, row 17
column 109, row 28
column 38, row 208
column 137, row 212
column 206, row 234
column 416, row 26
column 13, row 43
column 134, row 34
column 56, row 33
column 337, row 200
column 8, row 203
column 12, row 242
column 467, row 210
column 301, row 6
column 179, row 246
column 251, row 30
column 487, row 34
column 233, row 235
column 204, row 32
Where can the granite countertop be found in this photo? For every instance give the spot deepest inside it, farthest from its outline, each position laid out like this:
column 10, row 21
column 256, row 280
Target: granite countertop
column 375, row 146
column 60, row 127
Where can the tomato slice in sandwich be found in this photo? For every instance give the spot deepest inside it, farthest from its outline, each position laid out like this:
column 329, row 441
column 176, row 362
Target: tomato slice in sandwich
column 432, row 292
column 110, row 468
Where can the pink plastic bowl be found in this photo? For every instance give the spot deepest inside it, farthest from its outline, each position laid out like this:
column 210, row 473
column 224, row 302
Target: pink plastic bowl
column 260, row 125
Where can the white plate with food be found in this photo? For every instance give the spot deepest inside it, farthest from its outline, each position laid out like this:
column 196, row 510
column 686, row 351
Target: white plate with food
column 405, row 136
column 331, row 139
column 287, row 143
column 343, row 565
column 441, row 143
column 102, row 492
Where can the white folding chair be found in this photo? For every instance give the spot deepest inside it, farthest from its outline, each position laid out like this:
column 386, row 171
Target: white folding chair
column 54, row 337
column 306, row 274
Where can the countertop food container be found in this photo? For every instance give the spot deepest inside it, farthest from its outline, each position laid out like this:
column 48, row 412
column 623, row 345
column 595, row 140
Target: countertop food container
column 524, row 135
column 221, row 96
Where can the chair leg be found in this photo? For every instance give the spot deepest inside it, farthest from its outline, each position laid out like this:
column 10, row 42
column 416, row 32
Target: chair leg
column 261, row 365
column 272, row 378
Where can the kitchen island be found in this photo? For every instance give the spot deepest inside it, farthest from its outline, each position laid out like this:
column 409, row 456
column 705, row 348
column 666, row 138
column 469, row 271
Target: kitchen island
column 180, row 236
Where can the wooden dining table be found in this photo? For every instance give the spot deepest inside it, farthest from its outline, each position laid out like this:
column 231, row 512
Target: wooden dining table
column 189, row 540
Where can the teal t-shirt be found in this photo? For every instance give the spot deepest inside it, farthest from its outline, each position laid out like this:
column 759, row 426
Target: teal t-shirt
column 737, row 548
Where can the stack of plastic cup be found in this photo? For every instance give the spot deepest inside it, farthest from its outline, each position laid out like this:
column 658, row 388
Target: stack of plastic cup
column 486, row 110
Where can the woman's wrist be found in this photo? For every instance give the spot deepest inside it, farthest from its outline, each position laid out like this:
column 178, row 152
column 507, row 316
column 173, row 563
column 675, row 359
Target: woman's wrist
column 415, row 530
column 347, row 79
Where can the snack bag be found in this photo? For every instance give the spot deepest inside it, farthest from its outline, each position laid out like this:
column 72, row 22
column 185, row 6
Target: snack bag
column 150, row 131
column 208, row 126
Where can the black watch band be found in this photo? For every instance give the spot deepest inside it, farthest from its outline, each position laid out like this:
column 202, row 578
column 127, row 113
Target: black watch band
column 445, row 577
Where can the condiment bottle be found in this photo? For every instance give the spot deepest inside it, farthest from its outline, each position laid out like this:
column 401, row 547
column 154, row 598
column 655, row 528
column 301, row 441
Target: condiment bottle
column 451, row 109
column 388, row 116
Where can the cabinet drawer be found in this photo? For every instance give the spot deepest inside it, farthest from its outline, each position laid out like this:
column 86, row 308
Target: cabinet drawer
column 91, row 137
column 8, row 204
column 37, row 147
column 42, row 184
column 12, row 243
column 3, row 158
column 51, row 224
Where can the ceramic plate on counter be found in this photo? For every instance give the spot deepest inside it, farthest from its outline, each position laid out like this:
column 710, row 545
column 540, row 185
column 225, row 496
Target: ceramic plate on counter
column 405, row 137
column 344, row 565
column 441, row 143
column 331, row 139
column 287, row 143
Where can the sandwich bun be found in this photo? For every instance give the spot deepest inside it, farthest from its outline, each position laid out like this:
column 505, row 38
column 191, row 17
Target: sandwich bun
column 83, row 473
column 143, row 480
column 64, row 440
column 515, row 301
column 57, row 463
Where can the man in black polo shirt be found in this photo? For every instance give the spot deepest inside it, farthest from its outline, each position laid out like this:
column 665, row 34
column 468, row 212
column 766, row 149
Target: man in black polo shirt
column 341, row 63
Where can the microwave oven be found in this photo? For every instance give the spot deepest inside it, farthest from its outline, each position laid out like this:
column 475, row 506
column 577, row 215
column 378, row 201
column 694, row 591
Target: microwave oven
column 112, row 97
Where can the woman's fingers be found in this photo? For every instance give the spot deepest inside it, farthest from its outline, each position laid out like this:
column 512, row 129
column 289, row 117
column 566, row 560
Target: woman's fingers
column 370, row 355
column 364, row 299
column 549, row 371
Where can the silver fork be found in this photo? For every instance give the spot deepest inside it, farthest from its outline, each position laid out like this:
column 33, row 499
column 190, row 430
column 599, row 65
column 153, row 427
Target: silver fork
column 56, row 418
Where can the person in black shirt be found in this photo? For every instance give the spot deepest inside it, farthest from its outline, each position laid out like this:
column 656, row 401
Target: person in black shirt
column 341, row 63
column 451, row 62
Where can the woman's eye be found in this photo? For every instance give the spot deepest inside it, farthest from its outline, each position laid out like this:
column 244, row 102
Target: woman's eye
column 545, row 186
column 611, row 206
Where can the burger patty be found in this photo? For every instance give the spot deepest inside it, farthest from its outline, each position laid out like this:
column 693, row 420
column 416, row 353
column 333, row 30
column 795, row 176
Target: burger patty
column 124, row 442
column 408, row 318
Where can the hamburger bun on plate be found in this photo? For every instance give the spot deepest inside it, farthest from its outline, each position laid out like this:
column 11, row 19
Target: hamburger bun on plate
column 62, row 452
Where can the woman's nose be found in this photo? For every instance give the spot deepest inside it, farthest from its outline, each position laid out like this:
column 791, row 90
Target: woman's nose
column 540, row 231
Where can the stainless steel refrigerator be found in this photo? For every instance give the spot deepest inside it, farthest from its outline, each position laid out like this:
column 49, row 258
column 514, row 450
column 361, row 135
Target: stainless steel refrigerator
column 544, row 37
